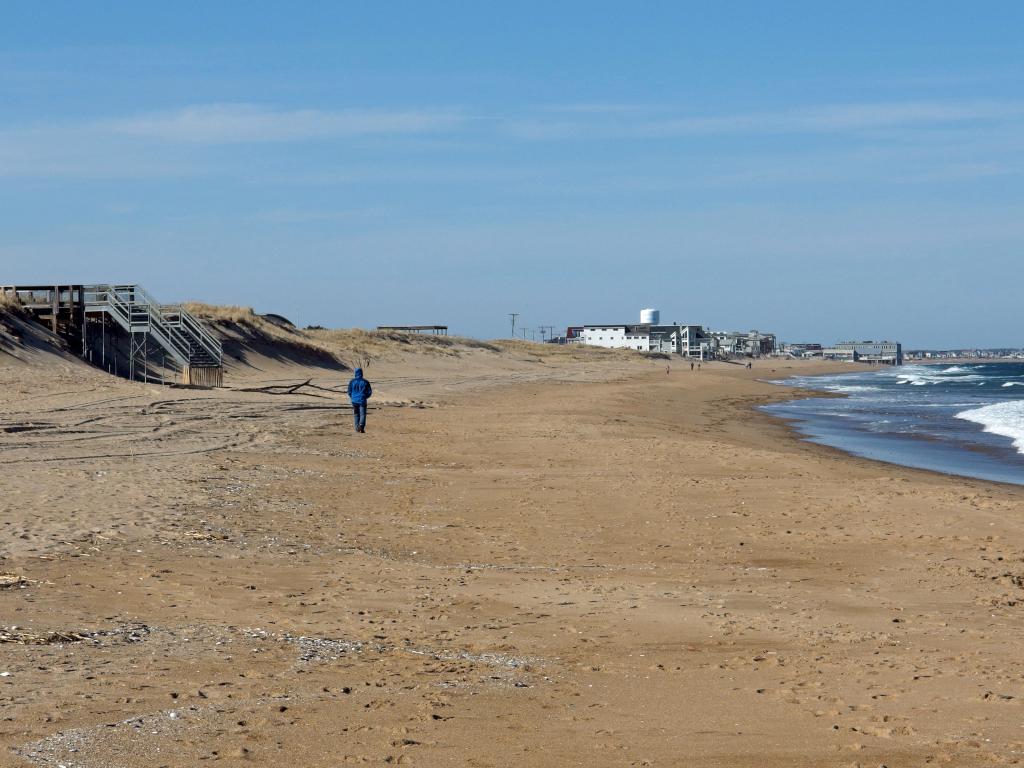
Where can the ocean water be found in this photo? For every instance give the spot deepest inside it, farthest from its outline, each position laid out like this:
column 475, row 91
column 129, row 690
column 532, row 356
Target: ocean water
column 965, row 419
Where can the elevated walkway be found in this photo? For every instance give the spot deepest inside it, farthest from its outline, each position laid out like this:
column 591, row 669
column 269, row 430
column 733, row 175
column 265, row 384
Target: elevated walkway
column 159, row 336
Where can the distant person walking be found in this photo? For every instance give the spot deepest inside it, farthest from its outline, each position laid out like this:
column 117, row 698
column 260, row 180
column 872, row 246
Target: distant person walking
column 359, row 391
column 668, row 369
column 691, row 365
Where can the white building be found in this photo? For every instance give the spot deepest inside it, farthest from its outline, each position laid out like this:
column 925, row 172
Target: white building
column 889, row 352
column 617, row 336
column 687, row 340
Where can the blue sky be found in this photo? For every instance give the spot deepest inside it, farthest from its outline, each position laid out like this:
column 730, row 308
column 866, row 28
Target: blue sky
column 820, row 171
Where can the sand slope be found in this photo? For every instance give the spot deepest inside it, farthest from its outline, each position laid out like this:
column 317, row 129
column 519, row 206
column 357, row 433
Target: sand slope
column 24, row 342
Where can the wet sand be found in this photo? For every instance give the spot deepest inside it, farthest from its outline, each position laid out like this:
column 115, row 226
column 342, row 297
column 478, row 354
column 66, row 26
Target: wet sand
column 525, row 564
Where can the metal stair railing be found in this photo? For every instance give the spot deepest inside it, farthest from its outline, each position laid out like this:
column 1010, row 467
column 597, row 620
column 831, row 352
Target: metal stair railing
column 189, row 328
column 177, row 331
column 134, row 317
column 193, row 329
column 180, row 334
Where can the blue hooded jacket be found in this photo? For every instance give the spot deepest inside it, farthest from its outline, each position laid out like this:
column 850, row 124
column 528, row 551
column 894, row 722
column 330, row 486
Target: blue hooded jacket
column 359, row 389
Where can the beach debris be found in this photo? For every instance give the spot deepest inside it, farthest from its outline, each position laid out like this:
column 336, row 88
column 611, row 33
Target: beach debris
column 322, row 649
column 287, row 389
column 315, row 648
column 488, row 659
column 194, row 535
column 13, row 581
column 66, row 748
column 203, row 535
column 23, row 637
column 129, row 633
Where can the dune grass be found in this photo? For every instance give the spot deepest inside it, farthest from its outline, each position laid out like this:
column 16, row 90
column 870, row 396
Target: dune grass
column 223, row 314
column 383, row 342
column 9, row 301
column 567, row 351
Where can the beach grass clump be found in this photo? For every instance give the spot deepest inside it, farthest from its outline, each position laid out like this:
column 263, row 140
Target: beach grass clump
column 9, row 300
column 243, row 323
column 222, row 314
column 376, row 343
column 569, row 352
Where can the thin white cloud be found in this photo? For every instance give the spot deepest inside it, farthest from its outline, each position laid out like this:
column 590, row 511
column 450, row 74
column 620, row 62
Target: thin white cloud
column 247, row 123
column 194, row 141
column 822, row 119
column 300, row 216
column 83, row 151
column 847, row 117
column 167, row 144
column 596, row 107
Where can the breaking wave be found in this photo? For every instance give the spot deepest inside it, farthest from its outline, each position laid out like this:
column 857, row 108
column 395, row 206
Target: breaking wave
column 1006, row 419
column 851, row 388
column 921, row 375
column 965, row 419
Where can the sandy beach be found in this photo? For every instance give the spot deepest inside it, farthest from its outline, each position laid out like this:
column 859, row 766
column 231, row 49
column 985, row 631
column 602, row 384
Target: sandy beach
column 527, row 560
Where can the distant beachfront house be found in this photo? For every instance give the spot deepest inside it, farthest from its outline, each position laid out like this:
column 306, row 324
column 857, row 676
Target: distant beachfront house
column 743, row 343
column 802, row 349
column 888, row 352
column 686, row 340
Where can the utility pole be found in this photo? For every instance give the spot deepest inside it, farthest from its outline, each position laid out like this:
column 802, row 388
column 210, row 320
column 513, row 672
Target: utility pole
column 513, row 315
column 543, row 333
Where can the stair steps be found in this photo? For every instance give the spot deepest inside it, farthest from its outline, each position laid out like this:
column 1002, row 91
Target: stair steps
column 179, row 334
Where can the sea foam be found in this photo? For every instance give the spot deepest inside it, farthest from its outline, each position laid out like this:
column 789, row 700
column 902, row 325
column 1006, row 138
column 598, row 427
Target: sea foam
column 1006, row 419
column 923, row 375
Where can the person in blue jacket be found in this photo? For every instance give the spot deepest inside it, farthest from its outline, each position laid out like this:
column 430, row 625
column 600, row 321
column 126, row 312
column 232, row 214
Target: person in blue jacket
column 359, row 391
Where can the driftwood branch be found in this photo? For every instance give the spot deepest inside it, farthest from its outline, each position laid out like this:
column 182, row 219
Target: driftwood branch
column 278, row 389
column 335, row 390
column 291, row 389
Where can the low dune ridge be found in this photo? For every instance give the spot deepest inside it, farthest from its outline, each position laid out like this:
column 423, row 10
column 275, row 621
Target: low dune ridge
column 263, row 346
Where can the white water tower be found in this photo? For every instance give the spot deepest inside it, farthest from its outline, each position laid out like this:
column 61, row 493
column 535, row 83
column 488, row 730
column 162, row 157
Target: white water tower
column 650, row 317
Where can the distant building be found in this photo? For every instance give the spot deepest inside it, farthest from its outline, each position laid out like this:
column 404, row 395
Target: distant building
column 686, row 340
column 743, row 343
column 802, row 350
column 888, row 352
column 646, row 336
column 573, row 335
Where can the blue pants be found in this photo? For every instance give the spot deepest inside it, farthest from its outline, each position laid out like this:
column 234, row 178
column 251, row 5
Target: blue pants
column 359, row 413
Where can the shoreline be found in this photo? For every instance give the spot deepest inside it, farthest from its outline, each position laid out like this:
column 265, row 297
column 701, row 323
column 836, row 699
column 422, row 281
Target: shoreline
column 804, row 429
column 791, row 424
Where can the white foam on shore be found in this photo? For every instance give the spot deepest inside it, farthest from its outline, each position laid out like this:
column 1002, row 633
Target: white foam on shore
column 1006, row 419
column 851, row 388
column 922, row 375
